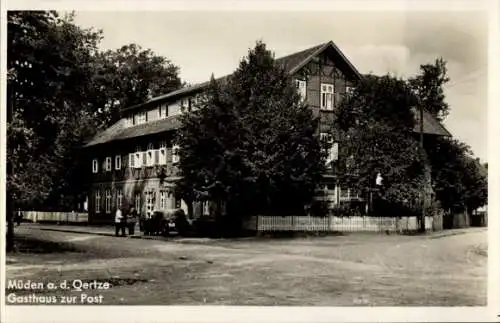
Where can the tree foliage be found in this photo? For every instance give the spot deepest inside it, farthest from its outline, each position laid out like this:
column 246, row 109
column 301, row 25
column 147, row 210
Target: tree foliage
column 253, row 143
column 62, row 90
column 459, row 182
column 376, row 131
column 428, row 85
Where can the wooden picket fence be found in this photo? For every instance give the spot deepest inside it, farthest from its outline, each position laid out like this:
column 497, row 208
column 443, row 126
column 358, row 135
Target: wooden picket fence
column 61, row 217
column 339, row 224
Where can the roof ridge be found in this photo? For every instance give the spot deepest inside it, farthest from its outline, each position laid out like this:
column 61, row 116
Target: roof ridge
column 199, row 85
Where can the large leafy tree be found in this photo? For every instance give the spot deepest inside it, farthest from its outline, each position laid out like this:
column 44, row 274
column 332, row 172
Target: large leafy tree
column 130, row 75
column 429, row 85
column 458, row 181
column 62, row 90
column 253, row 144
column 49, row 64
column 376, row 135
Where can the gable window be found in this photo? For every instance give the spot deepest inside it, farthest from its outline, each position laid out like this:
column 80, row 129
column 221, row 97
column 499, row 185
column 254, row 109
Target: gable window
column 119, row 198
column 175, row 154
column 108, row 201
column 97, row 201
column 162, row 159
column 150, row 156
column 95, row 166
column 326, row 96
column 118, row 162
column 301, row 87
column 108, row 164
column 138, row 157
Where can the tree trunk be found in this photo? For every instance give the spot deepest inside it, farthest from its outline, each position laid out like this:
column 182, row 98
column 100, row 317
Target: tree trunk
column 10, row 170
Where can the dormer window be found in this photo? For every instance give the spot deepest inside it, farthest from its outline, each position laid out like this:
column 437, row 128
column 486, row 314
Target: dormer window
column 129, row 121
column 162, row 111
column 141, row 118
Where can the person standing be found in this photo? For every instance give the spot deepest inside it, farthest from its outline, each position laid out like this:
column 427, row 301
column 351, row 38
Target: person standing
column 19, row 217
column 119, row 222
column 131, row 221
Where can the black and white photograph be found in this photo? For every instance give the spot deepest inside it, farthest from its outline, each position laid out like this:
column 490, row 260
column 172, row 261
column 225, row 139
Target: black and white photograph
column 245, row 158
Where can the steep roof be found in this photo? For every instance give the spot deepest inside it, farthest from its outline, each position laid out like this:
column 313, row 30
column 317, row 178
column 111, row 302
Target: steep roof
column 292, row 63
column 119, row 132
column 431, row 125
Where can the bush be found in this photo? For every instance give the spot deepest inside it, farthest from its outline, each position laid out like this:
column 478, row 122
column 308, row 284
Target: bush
column 319, row 208
column 205, row 227
column 181, row 222
column 349, row 208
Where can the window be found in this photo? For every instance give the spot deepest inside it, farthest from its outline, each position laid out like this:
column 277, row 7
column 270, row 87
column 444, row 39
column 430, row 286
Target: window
column 163, row 111
column 206, row 208
column 175, row 109
column 97, row 201
column 344, row 193
column 150, row 155
column 349, row 90
column 177, row 202
column 138, row 202
column 108, row 164
column 95, row 166
column 163, row 200
column 138, row 157
column 150, row 201
column 326, row 96
column 107, row 204
column 334, row 151
column 162, row 153
column 118, row 162
column 119, row 198
column 131, row 160
column 129, row 122
column 141, row 118
column 301, row 88
column 333, row 147
column 175, row 154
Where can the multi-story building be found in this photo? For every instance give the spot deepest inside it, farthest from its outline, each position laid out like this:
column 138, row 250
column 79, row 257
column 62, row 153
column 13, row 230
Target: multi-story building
column 135, row 161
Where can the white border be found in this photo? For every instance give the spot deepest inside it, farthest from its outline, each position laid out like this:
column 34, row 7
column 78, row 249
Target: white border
column 270, row 314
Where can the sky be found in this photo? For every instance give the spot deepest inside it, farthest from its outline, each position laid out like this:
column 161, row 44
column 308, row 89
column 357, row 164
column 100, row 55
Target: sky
column 379, row 42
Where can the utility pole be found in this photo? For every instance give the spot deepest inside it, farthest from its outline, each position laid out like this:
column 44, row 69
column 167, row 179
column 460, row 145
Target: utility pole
column 421, row 121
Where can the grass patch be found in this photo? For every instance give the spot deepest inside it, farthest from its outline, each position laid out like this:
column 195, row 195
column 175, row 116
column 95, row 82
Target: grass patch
column 23, row 245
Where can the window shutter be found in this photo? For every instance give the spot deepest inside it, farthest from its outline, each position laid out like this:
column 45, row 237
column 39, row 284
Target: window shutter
column 162, row 156
column 157, row 157
column 144, row 157
column 131, row 160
